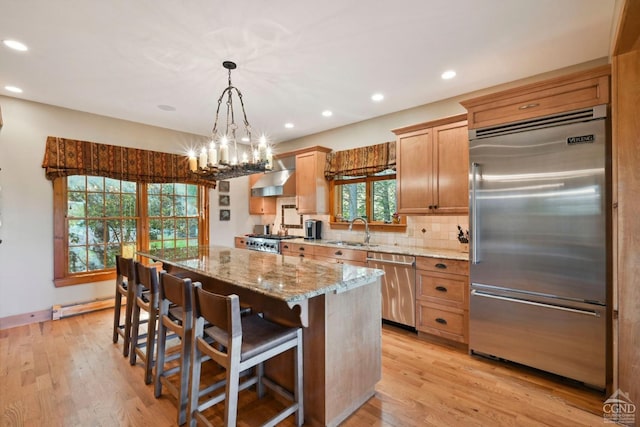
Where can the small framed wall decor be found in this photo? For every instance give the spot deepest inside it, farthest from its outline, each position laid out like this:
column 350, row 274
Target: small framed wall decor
column 224, row 199
column 225, row 214
column 223, row 186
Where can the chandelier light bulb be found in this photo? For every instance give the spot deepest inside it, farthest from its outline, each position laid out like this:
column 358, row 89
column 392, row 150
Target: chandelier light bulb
column 269, row 158
column 213, row 154
column 193, row 162
column 202, row 160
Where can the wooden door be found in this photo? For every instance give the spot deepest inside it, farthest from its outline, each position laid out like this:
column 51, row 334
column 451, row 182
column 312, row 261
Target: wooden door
column 451, row 168
column 312, row 189
column 414, row 172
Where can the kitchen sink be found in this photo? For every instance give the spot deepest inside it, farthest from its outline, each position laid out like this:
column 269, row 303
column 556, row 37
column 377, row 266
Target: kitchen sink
column 348, row 243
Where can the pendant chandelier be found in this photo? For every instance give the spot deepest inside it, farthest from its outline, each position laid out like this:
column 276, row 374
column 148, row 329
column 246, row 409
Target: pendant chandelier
column 224, row 158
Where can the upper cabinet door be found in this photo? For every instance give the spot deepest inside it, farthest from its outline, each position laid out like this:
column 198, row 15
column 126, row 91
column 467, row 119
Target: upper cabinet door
column 312, row 189
column 451, row 168
column 432, row 167
column 414, row 171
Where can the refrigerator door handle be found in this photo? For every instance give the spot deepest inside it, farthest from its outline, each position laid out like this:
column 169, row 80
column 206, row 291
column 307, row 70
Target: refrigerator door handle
column 474, row 214
column 475, row 292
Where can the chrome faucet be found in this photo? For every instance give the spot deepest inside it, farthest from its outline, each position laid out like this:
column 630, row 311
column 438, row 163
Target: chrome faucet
column 367, row 235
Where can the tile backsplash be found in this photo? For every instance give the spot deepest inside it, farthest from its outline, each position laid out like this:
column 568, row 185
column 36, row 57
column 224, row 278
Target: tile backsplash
column 434, row 231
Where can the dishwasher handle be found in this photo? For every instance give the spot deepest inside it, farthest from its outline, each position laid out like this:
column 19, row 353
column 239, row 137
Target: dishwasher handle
column 386, row 261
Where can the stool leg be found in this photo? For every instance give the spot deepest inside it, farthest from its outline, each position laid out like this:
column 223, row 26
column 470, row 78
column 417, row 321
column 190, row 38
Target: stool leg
column 260, row 384
column 231, row 395
column 127, row 321
column 151, row 340
column 185, row 370
column 116, row 315
column 162, row 341
column 194, row 392
column 135, row 326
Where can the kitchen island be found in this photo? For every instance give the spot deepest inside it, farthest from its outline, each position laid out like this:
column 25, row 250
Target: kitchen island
column 337, row 305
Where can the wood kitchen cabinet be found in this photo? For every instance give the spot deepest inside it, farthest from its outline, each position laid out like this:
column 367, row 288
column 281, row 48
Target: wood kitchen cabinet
column 296, row 249
column 442, row 298
column 340, row 255
column 432, row 167
column 312, row 189
column 240, row 243
column 566, row 93
column 260, row 205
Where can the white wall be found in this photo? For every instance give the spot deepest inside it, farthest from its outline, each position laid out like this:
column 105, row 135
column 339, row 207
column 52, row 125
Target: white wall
column 223, row 232
column 26, row 198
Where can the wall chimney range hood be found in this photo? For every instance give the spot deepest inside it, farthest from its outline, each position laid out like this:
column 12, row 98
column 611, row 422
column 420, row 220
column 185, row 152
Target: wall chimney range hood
column 280, row 181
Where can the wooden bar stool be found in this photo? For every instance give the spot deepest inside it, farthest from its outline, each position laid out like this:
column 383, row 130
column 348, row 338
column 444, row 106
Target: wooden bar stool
column 146, row 298
column 174, row 316
column 239, row 345
column 125, row 284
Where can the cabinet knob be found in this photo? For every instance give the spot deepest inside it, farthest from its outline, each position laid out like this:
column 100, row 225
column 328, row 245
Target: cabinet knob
column 441, row 320
column 301, row 255
column 441, row 289
column 302, row 249
column 338, row 253
column 441, row 265
column 286, row 246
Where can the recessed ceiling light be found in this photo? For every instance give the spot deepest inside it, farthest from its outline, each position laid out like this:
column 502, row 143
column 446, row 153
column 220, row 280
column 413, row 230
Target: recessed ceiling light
column 245, row 139
column 288, row 125
column 377, row 97
column 327, row 113
column 164, row 107
column 449, row 74
column 15, row 45
column 13, row 89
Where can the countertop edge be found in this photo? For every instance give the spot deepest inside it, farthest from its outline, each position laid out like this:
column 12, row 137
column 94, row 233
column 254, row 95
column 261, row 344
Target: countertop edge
column 400, row 250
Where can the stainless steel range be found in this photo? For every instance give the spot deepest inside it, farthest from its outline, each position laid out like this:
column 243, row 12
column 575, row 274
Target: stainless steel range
column 265, row 242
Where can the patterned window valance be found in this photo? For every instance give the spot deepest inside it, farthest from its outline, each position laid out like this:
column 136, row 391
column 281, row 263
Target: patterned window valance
column 361, row 161
column 64, row 157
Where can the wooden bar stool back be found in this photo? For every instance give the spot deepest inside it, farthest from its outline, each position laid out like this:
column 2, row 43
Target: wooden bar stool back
column 174, row 316
column 125, row 284
column 146, row 298
column 238, row 345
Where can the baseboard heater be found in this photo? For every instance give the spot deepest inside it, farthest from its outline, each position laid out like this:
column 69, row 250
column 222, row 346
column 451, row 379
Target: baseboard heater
column 60, row 311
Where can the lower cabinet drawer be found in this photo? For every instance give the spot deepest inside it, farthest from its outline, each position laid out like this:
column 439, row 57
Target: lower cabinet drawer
column 448, row 289
column 442, row 321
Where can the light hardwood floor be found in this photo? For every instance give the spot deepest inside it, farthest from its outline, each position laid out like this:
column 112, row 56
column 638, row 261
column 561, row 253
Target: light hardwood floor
column 69, row 373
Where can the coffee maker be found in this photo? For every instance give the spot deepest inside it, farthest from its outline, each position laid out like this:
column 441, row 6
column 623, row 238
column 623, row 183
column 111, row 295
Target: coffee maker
column 313, row 229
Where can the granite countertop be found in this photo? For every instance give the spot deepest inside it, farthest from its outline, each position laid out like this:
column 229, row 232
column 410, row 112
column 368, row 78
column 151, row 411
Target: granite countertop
column 400, row 250
column 288, row 278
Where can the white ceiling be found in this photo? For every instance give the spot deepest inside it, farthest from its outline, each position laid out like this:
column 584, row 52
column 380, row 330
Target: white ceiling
column 124, row 58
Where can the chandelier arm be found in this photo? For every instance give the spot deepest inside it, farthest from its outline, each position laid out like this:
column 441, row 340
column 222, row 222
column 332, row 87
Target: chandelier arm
column 244, row 113
column 215, row 126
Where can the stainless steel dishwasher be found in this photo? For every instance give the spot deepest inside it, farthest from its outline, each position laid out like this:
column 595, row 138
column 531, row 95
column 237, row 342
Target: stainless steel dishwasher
column 398, row 286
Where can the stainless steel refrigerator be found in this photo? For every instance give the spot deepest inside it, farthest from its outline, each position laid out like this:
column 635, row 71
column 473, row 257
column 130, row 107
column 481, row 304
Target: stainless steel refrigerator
column 539, row 263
